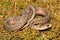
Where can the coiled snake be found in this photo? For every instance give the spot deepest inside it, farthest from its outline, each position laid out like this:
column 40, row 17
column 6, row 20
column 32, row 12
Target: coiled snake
column 42, row 22
column 27, row 18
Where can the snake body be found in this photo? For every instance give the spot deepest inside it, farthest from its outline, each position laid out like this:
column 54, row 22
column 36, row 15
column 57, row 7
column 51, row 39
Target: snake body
column 42, row 22
column 27, row 18
column 20, row 21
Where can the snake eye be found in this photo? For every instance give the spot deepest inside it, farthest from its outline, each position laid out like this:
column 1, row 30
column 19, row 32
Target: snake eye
column 49, row 25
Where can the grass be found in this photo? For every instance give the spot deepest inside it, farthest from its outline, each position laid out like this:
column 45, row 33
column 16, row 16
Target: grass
column 10, row 8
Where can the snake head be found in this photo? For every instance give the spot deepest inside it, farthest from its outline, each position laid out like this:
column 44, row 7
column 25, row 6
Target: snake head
column 45, row 26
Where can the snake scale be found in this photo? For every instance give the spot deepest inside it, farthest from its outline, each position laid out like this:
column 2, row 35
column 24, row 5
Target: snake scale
column 42, row 22
column 27, row 18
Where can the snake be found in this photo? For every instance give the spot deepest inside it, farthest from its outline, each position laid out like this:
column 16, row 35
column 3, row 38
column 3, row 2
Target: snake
column 41, row 23
column 27, row 18
column 17, row 22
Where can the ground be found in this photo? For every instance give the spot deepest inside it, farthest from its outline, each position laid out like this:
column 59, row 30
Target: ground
column 10, row 8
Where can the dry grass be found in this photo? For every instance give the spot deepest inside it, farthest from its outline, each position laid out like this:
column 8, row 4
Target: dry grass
column 10, row 8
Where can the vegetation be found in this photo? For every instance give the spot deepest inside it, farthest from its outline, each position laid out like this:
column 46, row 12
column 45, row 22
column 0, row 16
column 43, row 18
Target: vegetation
column 10, row 8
